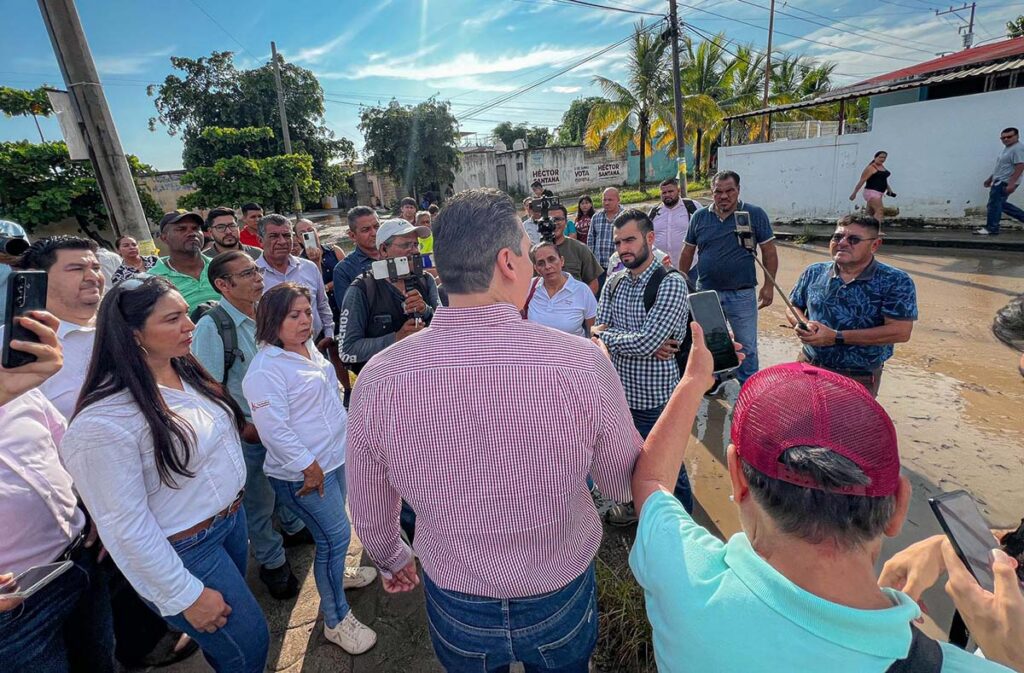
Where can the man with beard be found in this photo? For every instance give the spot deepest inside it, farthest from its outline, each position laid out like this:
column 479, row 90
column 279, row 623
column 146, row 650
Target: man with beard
column 223, row 227
column 185, row 265
column 671, row 220
column 643, row 342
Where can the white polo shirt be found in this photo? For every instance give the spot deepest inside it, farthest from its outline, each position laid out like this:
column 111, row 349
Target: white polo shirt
column 567, row 310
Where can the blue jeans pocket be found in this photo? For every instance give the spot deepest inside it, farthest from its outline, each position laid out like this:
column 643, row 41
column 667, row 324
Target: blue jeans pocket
column 578, row 643
column 454, row 659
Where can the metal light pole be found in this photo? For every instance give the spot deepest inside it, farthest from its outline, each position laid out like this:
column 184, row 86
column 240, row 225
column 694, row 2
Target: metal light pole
column 296, row 203
column 677, row 96
column 766, row 129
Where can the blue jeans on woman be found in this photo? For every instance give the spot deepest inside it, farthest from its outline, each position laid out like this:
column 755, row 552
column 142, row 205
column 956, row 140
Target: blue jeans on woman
column 554, row 632
column 217, row 557
column 327, row 520
column 260, row 506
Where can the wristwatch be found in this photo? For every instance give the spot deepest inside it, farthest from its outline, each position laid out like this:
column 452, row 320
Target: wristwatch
column 840, row 340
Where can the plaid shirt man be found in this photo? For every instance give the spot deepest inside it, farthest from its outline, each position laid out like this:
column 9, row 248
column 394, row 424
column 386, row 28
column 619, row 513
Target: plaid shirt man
column 634, row 334
column 599, row 240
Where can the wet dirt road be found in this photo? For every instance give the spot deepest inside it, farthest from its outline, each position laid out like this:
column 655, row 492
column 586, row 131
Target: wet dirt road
column 953, row 391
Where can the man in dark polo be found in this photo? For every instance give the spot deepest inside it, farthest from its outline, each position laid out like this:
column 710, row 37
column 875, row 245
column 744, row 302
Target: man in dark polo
column 856, row 306
column 580, row 262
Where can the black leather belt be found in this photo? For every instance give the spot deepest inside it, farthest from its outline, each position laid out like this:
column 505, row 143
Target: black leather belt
column 75, row 549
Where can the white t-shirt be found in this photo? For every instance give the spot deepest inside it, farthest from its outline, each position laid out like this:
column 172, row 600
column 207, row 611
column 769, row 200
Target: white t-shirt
column 567, row 310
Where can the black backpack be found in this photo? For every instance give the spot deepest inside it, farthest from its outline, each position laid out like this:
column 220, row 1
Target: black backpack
column 925, row 656
column 226, row 329
column 651, row 295
column 691, row 208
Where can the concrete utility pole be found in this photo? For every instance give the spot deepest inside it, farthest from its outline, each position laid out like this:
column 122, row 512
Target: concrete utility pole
column 90, row 104
column 296, row 203
column 766, row 130
column 677, row 95
column 969, row 35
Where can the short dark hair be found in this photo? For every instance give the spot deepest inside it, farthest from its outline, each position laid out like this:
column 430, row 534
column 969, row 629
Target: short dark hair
column 643, row 222
column 250, row 207
column 880, row 152
column 407, row 201
column 433, row 209
column 117, row 241
column 359, row 211
column 1010, row 129
column 273, row 308
column 558, row 206
column 725, row 175
column 469, row 232
column 537, row 183
column 42, row 254
column 865, row 221
column 669, row 181
column 219, row 211
column 544, row 243
column 272, row 218
column 218, row 266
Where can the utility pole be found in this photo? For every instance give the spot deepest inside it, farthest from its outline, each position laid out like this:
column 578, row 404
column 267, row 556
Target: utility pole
column 969, row 35
column 296, row 203
column 677, row 96
column 765, row 129
column 93, row 115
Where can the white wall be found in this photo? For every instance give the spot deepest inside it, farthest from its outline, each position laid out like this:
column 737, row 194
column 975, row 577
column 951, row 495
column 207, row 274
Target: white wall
column 940, row 152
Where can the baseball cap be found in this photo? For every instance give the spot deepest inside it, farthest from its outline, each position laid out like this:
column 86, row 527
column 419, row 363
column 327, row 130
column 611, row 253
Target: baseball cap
column 177, row 216
column 797, row 404
column 398, row 227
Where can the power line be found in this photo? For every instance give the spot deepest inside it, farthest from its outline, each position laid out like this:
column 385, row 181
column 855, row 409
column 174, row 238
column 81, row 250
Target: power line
column 225, row 30
column 584, row 3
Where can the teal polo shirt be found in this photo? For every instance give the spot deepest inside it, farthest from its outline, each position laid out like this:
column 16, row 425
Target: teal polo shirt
column 719, row 606
column 195, row 291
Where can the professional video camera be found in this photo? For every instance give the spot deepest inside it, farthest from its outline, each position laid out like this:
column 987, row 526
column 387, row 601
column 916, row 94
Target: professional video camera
column 13, row 240
column 545, row 227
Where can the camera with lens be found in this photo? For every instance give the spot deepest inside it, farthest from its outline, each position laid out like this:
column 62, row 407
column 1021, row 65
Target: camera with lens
column 12, row 245
column 545, row 227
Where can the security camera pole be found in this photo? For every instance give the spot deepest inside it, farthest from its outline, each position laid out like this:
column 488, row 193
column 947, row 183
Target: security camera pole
column 97, row 125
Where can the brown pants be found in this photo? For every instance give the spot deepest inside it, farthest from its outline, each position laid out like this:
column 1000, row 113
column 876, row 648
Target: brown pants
column 869, row 379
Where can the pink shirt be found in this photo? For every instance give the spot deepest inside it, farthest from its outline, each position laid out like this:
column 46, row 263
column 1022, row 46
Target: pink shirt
column 39, row 515
column 488, row 425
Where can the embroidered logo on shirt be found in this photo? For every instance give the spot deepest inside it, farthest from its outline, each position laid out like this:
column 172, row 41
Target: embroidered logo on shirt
column 259, row 405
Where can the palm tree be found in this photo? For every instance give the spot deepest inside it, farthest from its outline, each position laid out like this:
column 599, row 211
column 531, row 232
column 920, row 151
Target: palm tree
column 632, row 107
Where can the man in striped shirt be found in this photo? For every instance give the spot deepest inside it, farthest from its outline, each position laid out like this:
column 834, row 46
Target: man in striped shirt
column 506, row 529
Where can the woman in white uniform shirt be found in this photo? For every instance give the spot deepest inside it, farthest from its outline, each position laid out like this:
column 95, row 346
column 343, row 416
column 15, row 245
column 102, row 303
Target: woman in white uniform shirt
column 154, row 451
column 296, row 406
column 557, row 299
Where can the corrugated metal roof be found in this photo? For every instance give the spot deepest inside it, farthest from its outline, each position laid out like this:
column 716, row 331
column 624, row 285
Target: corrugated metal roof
column 976, row 55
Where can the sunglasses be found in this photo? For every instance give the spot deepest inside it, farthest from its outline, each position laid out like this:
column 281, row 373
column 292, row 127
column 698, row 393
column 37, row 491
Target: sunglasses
column 135, row 282
column 852, row 238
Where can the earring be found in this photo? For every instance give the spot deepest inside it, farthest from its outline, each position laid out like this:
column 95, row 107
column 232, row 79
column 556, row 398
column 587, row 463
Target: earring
column 732, row 498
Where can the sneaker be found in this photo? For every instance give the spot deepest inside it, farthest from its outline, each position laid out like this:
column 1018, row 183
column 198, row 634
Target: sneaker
column 303, row 537
column 351, row 635
column 622, row 515
column 357, row 578
column 281, row 582
column 984, row 232
column 715, row 388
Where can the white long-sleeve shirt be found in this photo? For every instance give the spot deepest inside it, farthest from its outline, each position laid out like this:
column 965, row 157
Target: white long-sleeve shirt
column 296, row 406
column 108, row 449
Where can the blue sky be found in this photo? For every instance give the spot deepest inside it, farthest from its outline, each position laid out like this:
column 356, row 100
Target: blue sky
column 466, row 51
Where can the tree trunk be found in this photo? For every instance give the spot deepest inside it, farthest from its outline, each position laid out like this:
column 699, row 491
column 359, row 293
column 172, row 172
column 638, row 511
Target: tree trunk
column 90, row 230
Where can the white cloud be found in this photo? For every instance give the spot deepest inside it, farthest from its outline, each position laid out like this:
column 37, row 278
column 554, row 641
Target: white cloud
column 491, row 16
column 354, row 28
column 467, row 64
column 470, row 83
column 564, row 89
column 121, row 64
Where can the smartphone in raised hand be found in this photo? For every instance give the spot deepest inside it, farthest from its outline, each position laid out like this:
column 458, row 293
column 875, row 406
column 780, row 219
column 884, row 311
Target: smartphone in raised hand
column 968, row 532
column 707, row 311
column 26, row 292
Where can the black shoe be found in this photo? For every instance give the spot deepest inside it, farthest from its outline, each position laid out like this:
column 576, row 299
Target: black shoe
column 281, row 582
column 298, row 539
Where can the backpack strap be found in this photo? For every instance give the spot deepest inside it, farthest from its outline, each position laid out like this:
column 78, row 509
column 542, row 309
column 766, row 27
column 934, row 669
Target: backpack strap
column 368, row 284
column 228, row 337
column 653, row 212
column 533, row 290
column 691, row 206
column 925, row 656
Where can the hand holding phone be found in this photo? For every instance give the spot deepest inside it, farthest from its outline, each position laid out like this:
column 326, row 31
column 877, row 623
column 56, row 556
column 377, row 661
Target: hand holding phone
column 968, row 532
column 309, row 241
column 26, row 292
column 707, row 311
column 32, row 580
column 45, row 349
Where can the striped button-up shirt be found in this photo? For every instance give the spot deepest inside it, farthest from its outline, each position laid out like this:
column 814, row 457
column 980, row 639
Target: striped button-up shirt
column 488, row 426
column 599, row 240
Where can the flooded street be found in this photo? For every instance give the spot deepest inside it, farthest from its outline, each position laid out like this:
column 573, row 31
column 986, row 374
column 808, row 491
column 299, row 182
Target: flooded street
column 953, row 391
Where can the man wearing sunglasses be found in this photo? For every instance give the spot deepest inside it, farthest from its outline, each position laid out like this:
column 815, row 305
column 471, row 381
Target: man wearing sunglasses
column 855, row 307
column 1003, row 182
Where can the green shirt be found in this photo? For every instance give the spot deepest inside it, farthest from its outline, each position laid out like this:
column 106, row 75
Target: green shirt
column 195, row 291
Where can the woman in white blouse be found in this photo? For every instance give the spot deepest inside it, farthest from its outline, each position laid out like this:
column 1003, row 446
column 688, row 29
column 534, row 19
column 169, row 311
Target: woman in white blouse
column 154, row 451
column 294, row 398
column 556, row 299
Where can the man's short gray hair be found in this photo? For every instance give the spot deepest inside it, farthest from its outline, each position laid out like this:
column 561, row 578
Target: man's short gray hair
column 357, row 212
column 470, row 230
column 273, row 218
column 814, row 515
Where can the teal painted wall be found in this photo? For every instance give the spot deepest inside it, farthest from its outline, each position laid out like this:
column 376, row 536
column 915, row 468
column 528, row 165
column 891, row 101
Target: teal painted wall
column 660, row 165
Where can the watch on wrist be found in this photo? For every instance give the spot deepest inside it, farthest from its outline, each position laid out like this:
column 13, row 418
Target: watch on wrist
column 840, row 340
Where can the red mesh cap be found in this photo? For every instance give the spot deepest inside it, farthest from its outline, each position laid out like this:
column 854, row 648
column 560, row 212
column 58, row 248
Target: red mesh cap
column 797, row 404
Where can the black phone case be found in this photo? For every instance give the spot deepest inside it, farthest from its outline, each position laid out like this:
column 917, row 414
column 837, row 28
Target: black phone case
column 934, row 504
column 26, row 291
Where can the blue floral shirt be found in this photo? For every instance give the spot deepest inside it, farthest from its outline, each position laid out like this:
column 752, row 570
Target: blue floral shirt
column 879, row 291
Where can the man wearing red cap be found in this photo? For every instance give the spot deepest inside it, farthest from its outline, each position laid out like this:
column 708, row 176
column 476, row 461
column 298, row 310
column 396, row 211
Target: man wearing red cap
column 815, row 474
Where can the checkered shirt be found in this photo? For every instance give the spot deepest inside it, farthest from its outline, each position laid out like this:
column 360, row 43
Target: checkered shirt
column 599, row 240
column 634, row 335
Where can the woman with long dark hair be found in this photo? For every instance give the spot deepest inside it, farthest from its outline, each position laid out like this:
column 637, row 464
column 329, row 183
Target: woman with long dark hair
column 154, row 451
column 584, row 213
column 293, row 394
column 132, row 261
column 875, row 180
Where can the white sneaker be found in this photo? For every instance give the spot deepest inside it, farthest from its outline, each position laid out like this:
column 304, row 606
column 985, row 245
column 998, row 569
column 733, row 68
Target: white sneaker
column 982, row 232
column 351, row 635
column 357, row 578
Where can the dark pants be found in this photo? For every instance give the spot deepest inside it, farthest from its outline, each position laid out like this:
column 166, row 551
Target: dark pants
column 644, row 420
column 137, row 628
column 997, row 205
column 554, row 632
column 64, row 627
column 870, row 379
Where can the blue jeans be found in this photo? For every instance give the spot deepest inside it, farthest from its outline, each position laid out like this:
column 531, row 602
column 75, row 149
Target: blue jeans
column 997, row 205
column 328, row 522
column 259, row 501
column 217, row 557
column 740, row 307
column 552, row 632
column 65, row 626
column 644, row 420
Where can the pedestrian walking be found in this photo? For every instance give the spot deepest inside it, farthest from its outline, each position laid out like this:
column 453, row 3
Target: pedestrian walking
column 875, row 181
column 1003, row 182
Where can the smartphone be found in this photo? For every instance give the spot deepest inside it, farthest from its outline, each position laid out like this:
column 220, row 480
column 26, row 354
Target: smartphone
column 34, row 579
column 309, row 240
column 967, row 530
column 744, row 232
column 26, row 291
column 397, row 268
column 707, row 311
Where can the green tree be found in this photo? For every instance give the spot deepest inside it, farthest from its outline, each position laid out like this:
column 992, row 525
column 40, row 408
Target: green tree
column 574, row 121
column 535, row 136
column 416, row 146
column 218, row 142
column 239, row 179
column 1015, row 28
column 632, row 107
column 214, row 93
column 19, row 102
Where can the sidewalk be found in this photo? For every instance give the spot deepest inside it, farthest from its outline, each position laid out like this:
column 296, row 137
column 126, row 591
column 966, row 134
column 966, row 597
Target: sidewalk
column 917, row 235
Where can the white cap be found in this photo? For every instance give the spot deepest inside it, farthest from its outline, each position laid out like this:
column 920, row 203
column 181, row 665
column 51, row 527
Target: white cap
column 398, row 227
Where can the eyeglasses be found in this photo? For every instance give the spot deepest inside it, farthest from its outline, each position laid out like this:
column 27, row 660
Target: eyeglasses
column 558, row 219
column 135, row 282
column 248, row 273
column 224, row 227
column 852, row 238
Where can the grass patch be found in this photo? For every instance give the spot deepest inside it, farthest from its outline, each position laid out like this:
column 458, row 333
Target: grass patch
column 624, row 640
